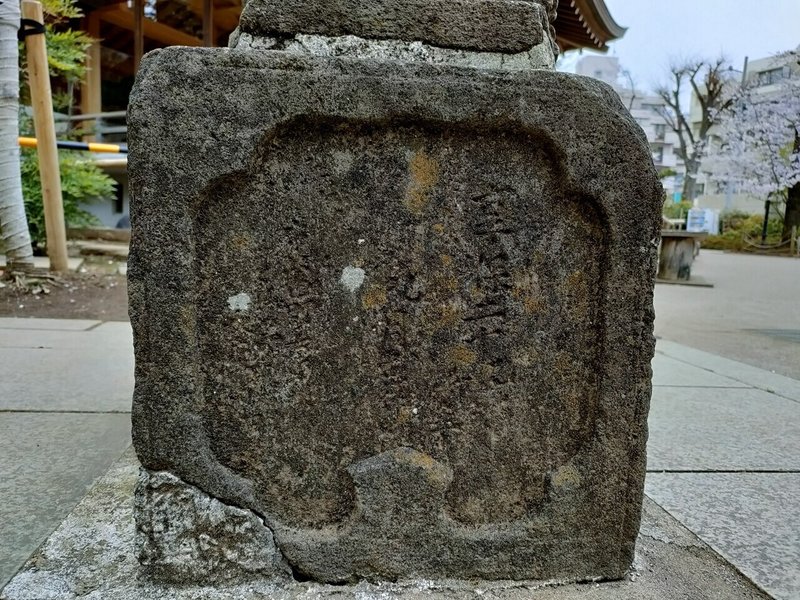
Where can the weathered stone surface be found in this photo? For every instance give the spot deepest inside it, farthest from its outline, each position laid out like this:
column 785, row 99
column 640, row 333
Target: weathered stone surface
column 400, row 526
column 483, row 25
column 185, row 535
column 362, row 289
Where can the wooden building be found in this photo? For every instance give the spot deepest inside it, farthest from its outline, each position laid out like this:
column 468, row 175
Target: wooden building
column 586, row 24
column 127, row 30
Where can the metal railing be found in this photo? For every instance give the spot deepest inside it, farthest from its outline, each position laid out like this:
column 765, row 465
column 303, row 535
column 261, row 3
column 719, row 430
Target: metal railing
column 106, row 127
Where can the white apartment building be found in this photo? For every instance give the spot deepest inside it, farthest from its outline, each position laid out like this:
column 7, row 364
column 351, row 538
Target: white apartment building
column 647, row 110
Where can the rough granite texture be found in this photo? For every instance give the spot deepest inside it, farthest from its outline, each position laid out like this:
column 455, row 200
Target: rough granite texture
column 482, row 25
column 91, row 557
column 401, row 312
column 184, row 534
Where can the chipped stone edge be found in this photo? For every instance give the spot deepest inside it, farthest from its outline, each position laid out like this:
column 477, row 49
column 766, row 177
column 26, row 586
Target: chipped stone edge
column 540, row 56
column 174, row 500
column 184, row 535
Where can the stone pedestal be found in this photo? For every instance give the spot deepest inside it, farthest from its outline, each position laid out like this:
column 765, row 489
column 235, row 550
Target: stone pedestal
column 678, row 249
column 398, row 313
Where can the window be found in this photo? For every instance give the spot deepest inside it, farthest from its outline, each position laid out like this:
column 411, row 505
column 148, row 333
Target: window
column 700, row 189
column 658, row 155
column 661, row 131
column 773, row 76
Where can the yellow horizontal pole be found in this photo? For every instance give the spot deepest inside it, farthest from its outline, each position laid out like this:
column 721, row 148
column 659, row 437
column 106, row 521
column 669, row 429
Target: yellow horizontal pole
column 29, row 142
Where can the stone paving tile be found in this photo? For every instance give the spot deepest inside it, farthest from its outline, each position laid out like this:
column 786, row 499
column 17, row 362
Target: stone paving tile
column 751, row 519
column 752, row 376
column 58, row 369
column 92, row 379
column 668, row 371
column 48, row 324
column 702, row 429
column 48, row 462
column 108, row 335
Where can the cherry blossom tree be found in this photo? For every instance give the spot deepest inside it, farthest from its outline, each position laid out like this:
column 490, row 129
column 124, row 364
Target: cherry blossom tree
column 758, row 147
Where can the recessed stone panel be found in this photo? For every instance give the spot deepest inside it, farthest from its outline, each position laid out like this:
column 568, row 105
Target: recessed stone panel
column 401, row 281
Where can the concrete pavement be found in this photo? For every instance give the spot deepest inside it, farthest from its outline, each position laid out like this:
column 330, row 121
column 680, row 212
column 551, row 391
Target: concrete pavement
column 752, row 314
column 724, row 457
column 65, row 389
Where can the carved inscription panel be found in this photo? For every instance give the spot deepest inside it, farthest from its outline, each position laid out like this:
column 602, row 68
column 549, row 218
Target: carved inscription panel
column 440, row 287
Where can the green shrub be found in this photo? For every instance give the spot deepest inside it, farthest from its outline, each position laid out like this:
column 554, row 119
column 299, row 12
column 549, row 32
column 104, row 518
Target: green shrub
column 753, row 224
column 81, row 181
column 676, row 210
column 733, row 219
column 730, row 240
column 737, row 225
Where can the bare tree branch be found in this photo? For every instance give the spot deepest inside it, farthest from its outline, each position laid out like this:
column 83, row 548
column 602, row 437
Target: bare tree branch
column 706, row 78
column 632, row 86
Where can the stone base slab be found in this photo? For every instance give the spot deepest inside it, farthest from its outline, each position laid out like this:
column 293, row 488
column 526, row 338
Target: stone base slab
column 91, row 556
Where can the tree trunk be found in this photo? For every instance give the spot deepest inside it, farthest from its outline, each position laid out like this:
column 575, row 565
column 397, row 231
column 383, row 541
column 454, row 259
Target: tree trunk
column 791, row 215
column 16, row 240
column 690, row 180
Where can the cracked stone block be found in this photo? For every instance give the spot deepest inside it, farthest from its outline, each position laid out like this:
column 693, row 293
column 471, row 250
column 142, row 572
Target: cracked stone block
column 399, row 313
column 541, row 56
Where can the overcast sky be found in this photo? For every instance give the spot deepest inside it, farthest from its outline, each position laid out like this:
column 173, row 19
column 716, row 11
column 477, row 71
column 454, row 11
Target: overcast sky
column 661, row 29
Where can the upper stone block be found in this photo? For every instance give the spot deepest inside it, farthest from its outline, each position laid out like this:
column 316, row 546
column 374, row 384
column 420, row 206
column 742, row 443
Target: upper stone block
column 508, row 26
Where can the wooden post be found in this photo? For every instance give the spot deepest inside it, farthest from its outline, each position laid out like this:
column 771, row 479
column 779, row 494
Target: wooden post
column 138, row 33
column 91, row 90
column 42, row 104
column 208, row 23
